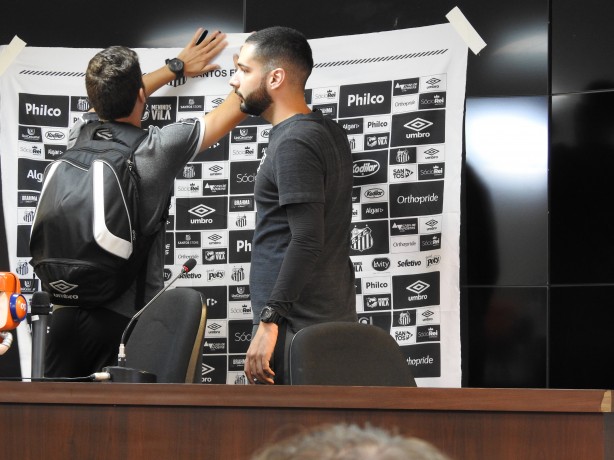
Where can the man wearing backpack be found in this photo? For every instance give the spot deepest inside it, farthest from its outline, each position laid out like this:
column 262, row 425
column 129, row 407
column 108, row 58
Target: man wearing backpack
column 82, row 341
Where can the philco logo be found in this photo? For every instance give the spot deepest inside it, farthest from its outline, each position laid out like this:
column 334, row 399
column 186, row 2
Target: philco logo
column 37, row 110
column 43, row 110
column 374, row 193
column 365, row 99
column 365, row 168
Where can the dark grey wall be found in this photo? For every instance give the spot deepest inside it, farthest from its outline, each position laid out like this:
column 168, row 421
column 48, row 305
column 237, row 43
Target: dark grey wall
column 537, row 253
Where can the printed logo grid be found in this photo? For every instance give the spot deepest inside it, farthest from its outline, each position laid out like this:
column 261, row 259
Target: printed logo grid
column 396, row 130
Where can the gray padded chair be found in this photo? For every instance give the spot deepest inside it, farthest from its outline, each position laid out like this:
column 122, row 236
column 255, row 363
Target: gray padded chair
column 354, row 354
column 167, row 339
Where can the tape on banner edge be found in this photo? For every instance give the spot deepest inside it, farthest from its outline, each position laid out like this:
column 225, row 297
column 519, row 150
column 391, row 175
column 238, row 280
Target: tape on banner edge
column 465, row 30
column 9, row 53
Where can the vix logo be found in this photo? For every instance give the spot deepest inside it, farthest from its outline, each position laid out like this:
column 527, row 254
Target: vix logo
column 418, row 124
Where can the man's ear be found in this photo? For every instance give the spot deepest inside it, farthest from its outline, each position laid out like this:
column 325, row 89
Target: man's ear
column 142, row 96
column 276, row 78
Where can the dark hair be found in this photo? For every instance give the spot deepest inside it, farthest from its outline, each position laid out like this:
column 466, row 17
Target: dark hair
column 112, row 81
column 283, row 47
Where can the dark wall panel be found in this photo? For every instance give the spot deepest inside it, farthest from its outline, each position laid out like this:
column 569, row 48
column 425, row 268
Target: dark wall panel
column 507, row 337
column 151, row 24
column 506, row 180
column 514, row 62
column 581, row 342
column 582, row 44
column 581, row 188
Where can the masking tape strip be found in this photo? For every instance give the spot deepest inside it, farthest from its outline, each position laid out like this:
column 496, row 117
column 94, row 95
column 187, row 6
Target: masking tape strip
column 465, row 30
column 10, row 52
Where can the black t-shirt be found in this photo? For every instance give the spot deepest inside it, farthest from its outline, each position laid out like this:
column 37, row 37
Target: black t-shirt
column 308, row 160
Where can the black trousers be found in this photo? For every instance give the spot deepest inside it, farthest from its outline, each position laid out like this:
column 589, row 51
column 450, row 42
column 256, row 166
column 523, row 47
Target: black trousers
column 81, row 342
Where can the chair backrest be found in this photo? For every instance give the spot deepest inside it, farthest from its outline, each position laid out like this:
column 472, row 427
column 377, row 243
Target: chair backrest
column 339, row 353
column 167, row 339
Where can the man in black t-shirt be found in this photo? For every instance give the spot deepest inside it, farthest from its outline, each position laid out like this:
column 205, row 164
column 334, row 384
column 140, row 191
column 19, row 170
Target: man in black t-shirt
column 301, row 273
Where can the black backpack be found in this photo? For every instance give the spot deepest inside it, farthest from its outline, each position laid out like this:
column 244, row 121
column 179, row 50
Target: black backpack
column 86, row 242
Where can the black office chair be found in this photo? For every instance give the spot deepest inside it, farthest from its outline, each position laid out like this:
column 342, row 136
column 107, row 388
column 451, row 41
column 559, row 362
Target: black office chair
column 354, row 354
column 167, row 339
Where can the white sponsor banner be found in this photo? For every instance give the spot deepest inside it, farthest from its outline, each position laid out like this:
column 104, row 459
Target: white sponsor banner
column 400, row 96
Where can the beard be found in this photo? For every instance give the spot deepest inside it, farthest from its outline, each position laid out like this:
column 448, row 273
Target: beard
column 257, row 102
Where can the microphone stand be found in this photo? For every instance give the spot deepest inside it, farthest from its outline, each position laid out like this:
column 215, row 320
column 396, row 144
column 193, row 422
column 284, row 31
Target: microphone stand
column 121, row 373
column 40, row 309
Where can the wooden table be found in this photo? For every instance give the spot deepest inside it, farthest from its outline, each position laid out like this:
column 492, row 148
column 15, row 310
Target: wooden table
column 167, row 421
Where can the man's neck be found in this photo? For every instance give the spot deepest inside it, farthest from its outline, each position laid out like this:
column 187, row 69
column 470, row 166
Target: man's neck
column 279, row 114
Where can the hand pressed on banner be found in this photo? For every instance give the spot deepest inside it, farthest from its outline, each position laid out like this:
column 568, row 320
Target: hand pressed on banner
column 197, row 58
column 258, row 358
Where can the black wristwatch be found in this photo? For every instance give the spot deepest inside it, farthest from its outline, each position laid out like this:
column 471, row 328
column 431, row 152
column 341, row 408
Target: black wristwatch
column 176, row 66
column 268, row 315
